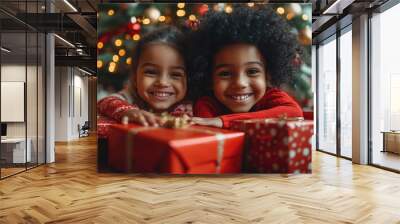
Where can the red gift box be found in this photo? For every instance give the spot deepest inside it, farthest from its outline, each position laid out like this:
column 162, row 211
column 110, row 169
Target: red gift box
column 276, row 145
column 193, row 150
column 103, row 126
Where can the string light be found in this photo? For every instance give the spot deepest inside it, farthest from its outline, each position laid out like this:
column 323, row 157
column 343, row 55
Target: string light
column 99, row 63
column 280, row 10
column 136, row 37
column 250, row 4
column 192, row 17
column 118, row 42
column 136, row 26
column 146, row 21
column 219, row 7
column 100, row 45
column 153, row 13
column 121, row 52
column 129, row 61
column 203, row 9
column 289, row 16
column 181, row 5
column 228, row 9
column 180, row 12
column 111, row 68
column 110, row 12
column 161, row 18
column 305, row 17
column 115, row 58
column 133, row 19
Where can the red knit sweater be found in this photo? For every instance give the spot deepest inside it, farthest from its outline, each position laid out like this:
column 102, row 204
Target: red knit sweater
column 114, row 107
column 275, row 103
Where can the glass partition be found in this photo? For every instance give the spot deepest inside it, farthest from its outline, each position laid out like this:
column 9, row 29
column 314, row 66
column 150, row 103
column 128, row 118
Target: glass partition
column 31, row 97
column 15, row 149
column 22, row 89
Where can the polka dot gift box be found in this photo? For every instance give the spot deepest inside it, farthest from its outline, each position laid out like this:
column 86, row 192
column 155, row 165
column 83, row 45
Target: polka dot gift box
column 276, row 145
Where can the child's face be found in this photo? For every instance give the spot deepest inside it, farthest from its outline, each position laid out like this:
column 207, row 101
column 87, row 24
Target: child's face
column 161, row 76
column 239, row 76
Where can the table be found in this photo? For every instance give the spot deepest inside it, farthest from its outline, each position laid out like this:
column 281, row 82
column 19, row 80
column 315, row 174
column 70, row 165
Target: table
column 391, row 141
column 13, row 150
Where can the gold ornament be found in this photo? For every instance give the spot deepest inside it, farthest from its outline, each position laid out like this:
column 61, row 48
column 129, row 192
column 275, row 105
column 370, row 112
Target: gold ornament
column 169, row 121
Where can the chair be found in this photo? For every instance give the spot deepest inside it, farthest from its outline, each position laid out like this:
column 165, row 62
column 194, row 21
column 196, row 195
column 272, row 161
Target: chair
column 84, row 130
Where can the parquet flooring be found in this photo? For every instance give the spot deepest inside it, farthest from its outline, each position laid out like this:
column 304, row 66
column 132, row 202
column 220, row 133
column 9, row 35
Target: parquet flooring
column 71, row 191
column 9, row 171
column 387, row 159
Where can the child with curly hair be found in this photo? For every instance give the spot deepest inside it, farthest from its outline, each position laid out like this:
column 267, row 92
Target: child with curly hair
column 158, row 83
column 239, row 60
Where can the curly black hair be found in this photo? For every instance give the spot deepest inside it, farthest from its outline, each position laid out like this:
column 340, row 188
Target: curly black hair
column 259, row 26
column 169, row 35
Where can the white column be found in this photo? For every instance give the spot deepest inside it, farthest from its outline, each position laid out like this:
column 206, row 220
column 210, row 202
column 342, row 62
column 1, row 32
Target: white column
column 360, row 90
column 50, row 93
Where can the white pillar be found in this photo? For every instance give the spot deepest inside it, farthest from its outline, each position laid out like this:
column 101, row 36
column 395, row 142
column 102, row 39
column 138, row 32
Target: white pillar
column 50, row 103
column 360, row 90
column 50, row 92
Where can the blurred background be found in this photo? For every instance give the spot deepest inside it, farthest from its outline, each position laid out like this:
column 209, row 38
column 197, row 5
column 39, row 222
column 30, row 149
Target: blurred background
column 120, row 26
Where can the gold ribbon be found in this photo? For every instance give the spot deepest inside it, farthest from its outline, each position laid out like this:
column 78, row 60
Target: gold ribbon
column 132, row 132
column 270, row 120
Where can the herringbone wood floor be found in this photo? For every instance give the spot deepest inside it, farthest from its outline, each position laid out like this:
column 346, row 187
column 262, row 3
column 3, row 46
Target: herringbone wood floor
column 71, row 191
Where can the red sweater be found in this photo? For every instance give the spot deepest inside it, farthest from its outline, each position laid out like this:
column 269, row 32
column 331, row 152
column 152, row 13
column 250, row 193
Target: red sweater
column 274, row 104
column 114, row 107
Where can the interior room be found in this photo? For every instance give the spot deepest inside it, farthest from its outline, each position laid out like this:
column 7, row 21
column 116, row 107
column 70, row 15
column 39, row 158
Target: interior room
column 23, row 96
column 50, row 152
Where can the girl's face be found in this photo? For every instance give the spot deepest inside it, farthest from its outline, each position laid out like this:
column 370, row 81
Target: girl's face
column 161, row 76
column 239, row 76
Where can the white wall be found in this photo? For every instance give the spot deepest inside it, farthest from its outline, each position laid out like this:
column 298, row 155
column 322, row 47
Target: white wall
column 61, row 104
column 12, row 73
column 71, row 94
column 80, row 110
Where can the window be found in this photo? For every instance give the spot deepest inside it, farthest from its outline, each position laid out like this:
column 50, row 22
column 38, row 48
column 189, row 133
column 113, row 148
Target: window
column 385, row 85
column 346, row 92
column 327, row 96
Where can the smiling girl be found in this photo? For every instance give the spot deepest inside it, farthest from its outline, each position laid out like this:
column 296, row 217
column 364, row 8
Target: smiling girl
column 249, row 54
column 158, row 83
